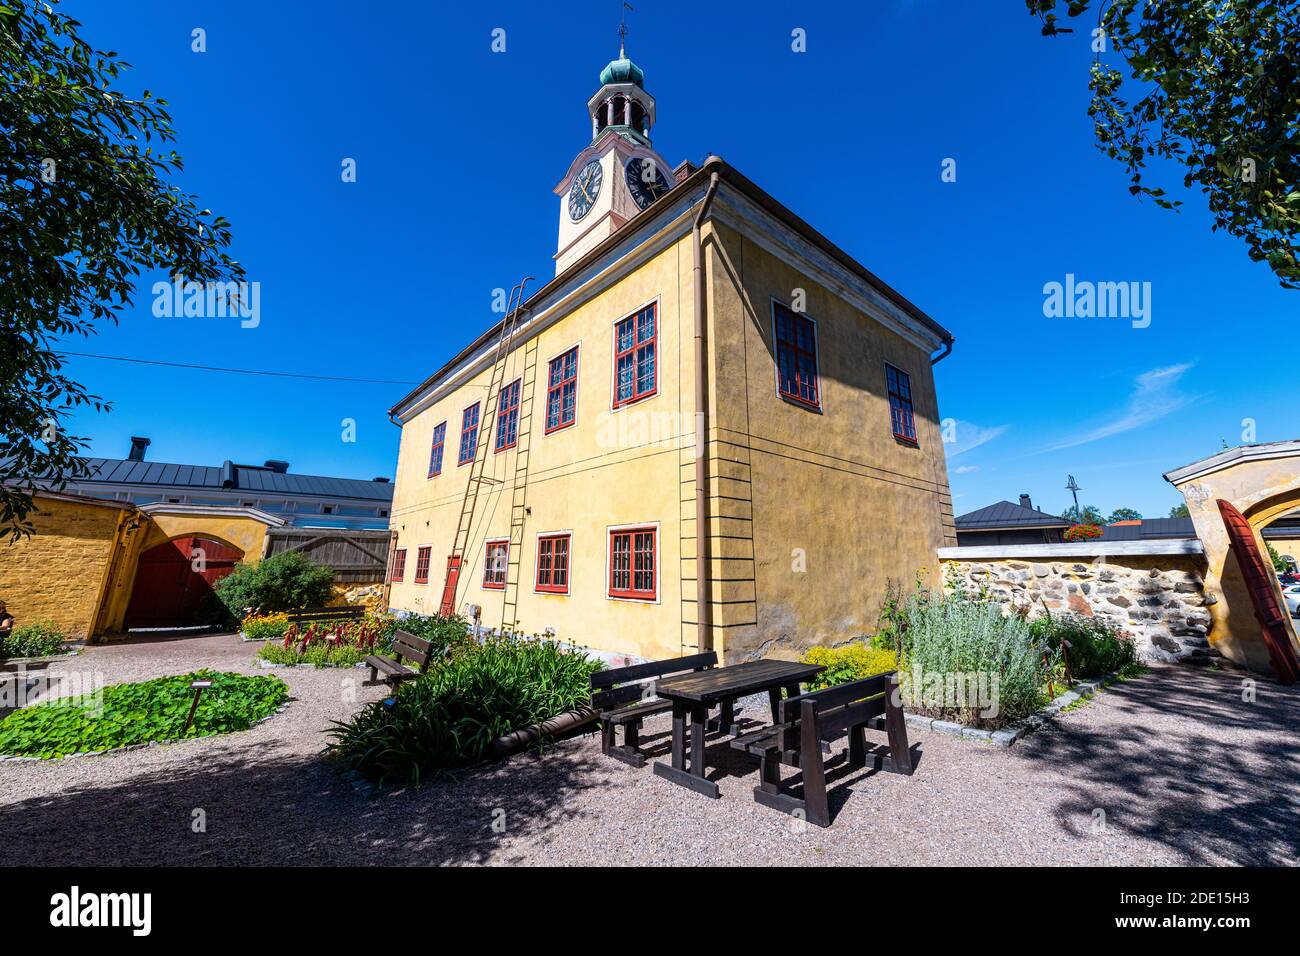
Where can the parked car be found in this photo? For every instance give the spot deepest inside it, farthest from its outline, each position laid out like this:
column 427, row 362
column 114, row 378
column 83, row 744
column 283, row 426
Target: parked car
column 1291, row 594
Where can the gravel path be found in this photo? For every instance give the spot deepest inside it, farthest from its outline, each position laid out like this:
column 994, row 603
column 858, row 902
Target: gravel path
column 1184, row 772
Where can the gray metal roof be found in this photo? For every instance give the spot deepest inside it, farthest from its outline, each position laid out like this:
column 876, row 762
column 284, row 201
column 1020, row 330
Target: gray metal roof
column 1004, row 514
column 1149, row 528
column 231, row 477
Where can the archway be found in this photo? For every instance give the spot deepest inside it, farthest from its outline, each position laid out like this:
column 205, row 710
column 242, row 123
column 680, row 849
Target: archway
column 1262, row 482
column 173, row 579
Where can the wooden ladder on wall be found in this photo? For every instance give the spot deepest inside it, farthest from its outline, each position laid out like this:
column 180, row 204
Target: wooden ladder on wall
column 486, row 426
column 519, row 489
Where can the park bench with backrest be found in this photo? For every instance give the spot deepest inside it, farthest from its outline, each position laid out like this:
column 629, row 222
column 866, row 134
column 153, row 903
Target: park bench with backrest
column 326, row 615
column 625, row 696
column 406, row 647
column 807, row 723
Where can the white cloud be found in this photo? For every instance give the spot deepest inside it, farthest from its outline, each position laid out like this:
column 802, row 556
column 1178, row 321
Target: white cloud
column 1155, row 396
column 966, row 469
column 969, row 436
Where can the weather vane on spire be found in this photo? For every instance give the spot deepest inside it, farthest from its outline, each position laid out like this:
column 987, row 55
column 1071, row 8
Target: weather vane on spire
column 622, row 30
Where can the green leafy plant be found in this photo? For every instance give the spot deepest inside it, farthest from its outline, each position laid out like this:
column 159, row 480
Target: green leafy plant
column 153, row 710
column 848, row 663
column 449, row 635
column 261, row 627
column 954, row 644
column 1089, row 645
column 282, row 582
column 88, row 205
column 37, row 639
column 1082, row 532
column 341, row 645
column 449, row 717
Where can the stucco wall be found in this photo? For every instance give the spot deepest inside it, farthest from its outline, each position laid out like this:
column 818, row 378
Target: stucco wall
column 1158, row 600
column 58, row 573
column 839, row 506
column 610, row 468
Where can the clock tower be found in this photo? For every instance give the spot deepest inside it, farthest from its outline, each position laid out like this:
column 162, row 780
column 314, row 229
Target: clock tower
column 619, row 173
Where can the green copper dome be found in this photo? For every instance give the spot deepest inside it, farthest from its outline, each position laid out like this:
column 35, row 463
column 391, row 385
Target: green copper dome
column 622, row 70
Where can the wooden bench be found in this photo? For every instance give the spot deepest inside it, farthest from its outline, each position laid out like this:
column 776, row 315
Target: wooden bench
column 405, row 647
column 327, row 615
column 806, row 725
column 624, row 697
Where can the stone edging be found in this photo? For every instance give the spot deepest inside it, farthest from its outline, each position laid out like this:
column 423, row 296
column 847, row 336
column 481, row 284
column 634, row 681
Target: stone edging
column 1009, row 735
column 47, row 659
column 152, row 743
column 263, row 663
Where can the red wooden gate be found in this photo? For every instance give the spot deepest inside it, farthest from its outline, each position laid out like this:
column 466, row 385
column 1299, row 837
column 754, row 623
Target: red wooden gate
column 174, row 577
column 1267, row 610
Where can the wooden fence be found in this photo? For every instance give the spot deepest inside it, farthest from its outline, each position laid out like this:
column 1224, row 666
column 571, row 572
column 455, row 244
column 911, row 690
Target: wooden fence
column 357, row 557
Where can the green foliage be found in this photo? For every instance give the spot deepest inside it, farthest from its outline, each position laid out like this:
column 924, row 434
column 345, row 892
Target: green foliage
column 1180, row 511
column 261, row 627
column 849, row 663
column 1093, row 647
column 37, row 639
column 449, row 717
column 449, row 635
column 1124, row 514
column 1090, row 515
column 956, row 638
column 1217, row 88
column 282, row 582
column 86, row 207
column 125, row 714
column 1280, row 566
column 320, row 654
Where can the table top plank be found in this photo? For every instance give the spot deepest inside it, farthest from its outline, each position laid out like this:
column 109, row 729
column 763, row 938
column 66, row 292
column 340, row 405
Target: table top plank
column 735, row 680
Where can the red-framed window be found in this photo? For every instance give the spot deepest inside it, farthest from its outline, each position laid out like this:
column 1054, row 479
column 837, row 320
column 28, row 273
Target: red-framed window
column 635, row 342
column 796, row 356
column 508, row 416
column 435, row 449
column 399, row 565
column 900, row 404
column 553, row 563
column 562, row 391
column 422, row 565
column 632, row 559
column 495, row 555
column 468, row 435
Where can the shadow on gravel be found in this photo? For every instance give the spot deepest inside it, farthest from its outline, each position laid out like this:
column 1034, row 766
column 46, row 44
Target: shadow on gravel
column 1188, row 764
column 295, row 811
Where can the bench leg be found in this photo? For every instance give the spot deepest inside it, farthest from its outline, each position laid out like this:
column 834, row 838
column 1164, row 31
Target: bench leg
column 858, row 746
column 814, row 771
column 900, row 756
column 774, row 697
column 606, row 735
column 374, row 675
column 632, row 735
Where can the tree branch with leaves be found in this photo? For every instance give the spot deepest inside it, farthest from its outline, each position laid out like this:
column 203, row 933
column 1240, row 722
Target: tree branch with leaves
column 86, row 206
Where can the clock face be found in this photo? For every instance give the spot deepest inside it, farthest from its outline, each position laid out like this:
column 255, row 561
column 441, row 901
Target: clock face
column 645, row 181
column 585, row 189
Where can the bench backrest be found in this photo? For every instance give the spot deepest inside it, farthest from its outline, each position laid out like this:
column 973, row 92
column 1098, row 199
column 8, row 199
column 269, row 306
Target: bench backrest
column 836, row 709
column 409, row 647
column 351, row 612
column 605, row 694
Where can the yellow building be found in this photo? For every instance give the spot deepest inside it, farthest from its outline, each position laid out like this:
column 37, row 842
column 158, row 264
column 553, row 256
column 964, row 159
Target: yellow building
column 684, row 303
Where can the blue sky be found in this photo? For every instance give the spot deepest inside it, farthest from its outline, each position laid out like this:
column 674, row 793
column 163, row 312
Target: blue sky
column 458, row 149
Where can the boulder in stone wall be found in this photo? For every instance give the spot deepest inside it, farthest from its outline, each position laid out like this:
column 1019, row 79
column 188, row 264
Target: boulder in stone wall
column 1080, row 606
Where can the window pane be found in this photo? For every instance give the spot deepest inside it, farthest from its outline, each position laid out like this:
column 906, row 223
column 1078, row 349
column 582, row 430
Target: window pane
column 645, row 361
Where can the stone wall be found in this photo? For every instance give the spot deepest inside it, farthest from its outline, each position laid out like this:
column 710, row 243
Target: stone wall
column 1158, row 600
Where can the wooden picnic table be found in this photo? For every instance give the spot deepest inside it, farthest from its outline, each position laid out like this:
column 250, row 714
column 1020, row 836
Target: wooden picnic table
column 693, row 694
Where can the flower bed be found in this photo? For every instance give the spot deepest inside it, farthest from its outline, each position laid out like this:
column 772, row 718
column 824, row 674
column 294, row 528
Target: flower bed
column 124, row 715
column 340, row 645
column 449, row 717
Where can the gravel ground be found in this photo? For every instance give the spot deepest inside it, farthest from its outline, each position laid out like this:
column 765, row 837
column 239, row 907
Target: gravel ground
column 1183, row 771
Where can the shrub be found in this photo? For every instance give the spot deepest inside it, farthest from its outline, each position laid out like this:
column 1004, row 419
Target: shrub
column 1093, row 647
column 449, row 717
column 952, row 641
column 849, row 663
column 38, row 639
column 153, row 710
column 448, row 635
column 1082, row 532
column 343, row 645
column 282, row 582
column 260, row 627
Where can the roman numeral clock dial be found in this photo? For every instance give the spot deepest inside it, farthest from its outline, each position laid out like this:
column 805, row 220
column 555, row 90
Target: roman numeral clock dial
column 585, row 189
column 645, row 181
